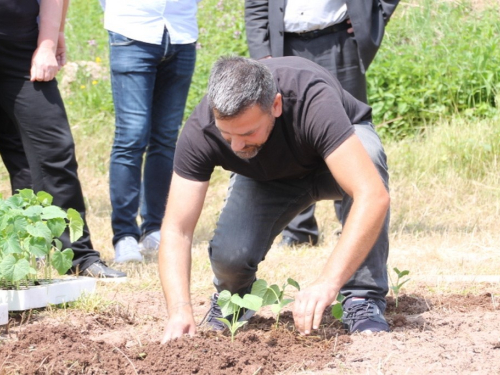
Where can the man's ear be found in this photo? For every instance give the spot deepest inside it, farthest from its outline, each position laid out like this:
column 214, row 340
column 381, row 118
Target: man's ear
column 277, row 108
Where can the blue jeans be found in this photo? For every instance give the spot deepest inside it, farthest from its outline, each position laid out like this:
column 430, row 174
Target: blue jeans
column 150, row 85
column 256, row 212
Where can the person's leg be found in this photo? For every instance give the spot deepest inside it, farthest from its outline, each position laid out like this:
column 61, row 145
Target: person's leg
column 133, row 73
column 370, row 280
column 253, row 215
column 38, row 109
column 173, row 79
column 338, row 53
column 303, row 229
column 13, row 155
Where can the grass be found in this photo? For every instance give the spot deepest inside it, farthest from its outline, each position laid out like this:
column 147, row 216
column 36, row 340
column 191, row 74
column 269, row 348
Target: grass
column 444, row 182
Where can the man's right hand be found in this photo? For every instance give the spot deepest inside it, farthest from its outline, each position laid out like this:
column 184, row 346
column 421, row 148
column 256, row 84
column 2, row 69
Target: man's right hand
column 178, row 326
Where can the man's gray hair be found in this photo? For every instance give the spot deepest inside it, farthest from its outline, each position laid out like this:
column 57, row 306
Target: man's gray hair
column 237, row 83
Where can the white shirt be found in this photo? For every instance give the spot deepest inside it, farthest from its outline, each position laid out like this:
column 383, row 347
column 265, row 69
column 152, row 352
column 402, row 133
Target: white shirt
column 312, row 15
column 145, row 20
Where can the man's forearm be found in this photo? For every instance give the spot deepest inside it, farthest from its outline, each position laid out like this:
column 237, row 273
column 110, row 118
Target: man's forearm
column 359, row 234
column 175, row 271
column 63, row 15
column 51, row 12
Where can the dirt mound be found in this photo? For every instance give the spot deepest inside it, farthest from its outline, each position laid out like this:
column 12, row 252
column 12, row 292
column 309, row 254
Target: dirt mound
column 457, row 334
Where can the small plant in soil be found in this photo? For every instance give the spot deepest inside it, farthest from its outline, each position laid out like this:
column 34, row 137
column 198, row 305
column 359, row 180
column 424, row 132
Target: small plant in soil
column 337, row 311
column 232, row 306
column 273, row 296
column 29, row 229
column 396, row 288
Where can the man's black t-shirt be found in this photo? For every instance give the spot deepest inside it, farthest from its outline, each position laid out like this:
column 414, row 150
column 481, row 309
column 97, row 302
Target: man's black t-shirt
column 18, row 19
column 317, row 117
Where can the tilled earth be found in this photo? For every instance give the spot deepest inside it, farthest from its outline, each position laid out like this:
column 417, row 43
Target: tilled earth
column 434, row 334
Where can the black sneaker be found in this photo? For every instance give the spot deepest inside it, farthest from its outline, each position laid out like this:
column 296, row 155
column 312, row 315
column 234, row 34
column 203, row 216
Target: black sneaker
column 99, row 269
column 214, row 324
column 363, row 315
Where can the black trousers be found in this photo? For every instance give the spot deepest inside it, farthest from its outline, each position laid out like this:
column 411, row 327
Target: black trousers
column 338, row 53
column 34, row 111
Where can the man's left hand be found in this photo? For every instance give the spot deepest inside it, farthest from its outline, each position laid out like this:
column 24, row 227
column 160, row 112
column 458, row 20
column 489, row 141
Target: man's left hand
column 310, row 303
column 44, row 65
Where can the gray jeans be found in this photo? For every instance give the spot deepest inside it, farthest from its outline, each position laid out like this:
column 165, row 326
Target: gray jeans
column 256, row 212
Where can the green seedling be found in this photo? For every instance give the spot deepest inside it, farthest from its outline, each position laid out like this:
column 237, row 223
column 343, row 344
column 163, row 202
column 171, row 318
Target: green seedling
column 396, row 288
column 273, row 296
column 29, row 229
column 337, row 311
column 231, row 306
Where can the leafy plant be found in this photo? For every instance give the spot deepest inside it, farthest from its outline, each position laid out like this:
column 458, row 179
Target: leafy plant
column 417, row 79
column 397, row 287
column 337, row 311
column 273, row 296
column 231, row 305
column 29, row 229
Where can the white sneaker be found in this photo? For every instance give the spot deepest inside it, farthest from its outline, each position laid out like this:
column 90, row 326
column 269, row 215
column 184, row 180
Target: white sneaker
column 127, row 250
column 150, row 243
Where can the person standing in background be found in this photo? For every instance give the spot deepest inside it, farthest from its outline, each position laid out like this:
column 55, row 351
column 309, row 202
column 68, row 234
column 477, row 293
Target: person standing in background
column 152, row 59
column 342, row 36
column 32, row 115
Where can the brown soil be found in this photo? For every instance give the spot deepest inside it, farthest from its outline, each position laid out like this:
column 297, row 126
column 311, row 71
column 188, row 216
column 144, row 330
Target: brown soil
column 434, row 334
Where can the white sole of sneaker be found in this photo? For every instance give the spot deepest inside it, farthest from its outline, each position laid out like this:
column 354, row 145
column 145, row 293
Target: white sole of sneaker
column 129, row 259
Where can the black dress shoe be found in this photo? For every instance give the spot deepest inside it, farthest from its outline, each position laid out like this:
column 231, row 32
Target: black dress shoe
column 290, row 242
column 99, row 269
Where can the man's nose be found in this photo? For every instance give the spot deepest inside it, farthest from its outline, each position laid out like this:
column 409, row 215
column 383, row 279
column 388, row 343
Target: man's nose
column 237, row 144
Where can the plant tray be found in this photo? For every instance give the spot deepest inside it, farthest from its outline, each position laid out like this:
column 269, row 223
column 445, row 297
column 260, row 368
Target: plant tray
column 56, row 292
column 4, row 313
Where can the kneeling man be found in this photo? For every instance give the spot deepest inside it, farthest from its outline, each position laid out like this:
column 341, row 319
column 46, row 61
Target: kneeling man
column 292, row 136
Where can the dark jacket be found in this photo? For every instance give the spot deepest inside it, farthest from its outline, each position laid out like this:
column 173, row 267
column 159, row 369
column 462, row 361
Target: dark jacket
column 265, row 26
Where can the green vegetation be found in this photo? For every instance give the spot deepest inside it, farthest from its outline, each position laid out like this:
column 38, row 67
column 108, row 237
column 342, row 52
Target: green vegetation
column 232, row 304
column 29, row 229
column 396, row 287
column 273, row 296
column 261, row 295
column 438, row 58
column 337, row 310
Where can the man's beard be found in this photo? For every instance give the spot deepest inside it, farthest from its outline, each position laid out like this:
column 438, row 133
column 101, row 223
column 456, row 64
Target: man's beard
column 249, row 153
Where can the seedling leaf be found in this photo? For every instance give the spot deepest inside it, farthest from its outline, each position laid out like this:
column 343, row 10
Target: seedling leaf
column 27, row 195
column 226, row 306
column 12, row 269
column 337, row 311
column 259, row 288
column 75, row 224
column 56, row 226
column 276, row 308
column 248, row 301
column 18, row 222
column 44, row 198
column 11, row 245
column 39, row 229
column 38, row 246
column 53, row 212
column 293, row 283
column 33, row 212
column 62, row 260
column 225, row 321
